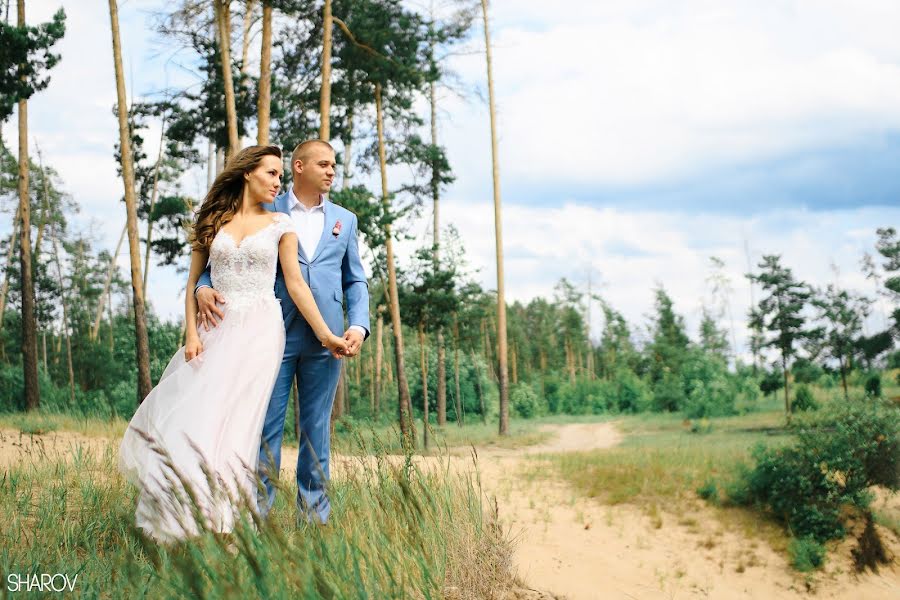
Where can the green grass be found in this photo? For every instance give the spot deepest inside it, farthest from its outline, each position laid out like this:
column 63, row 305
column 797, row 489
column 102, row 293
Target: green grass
column 396, row 531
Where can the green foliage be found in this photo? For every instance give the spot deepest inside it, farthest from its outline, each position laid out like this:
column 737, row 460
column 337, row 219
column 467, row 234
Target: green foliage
column 709, row 491
column 838, row 455
column 806, row 371
column 24, row 57
column 804, row 399
column 524, row 401
column 806, row 554
column 771, row 382
column 873, row 385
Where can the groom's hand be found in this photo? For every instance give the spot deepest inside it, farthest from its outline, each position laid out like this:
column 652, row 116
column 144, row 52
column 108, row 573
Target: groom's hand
column 207, row 307
column 354, row 340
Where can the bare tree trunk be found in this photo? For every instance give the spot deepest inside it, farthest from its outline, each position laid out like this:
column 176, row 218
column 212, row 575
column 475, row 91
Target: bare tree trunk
column 436, row 233
column 478, row 388
column 325, row 95
column 112, row 331
column 10, row 252
column 348, row 141
column 245, row 39
column 407, row 428
column 142, row 347
column 379, row 358
column 223, row 25
column 370, row 367
column 423, row 364
column 787, row 401
column 95, row 330
column 210, row 164
column 45, row 208
column 264, row 102
column 153, row 196
column 458, row 399
column 498, row 231
column 844, row 377
column 29, row 323
column 65, row 326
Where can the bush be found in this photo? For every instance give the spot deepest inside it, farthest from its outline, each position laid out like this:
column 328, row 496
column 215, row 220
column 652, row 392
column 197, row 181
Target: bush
column 804, row 399
column 771, row 382
column 709, row 491
column 524, row 400
column 668, row 393
column 806, row 371
column 873, row 385
column 806, row 554
column 833, row 463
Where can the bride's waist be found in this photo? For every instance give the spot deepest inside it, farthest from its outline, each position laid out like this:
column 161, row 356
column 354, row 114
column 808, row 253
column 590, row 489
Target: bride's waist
column 241, row 300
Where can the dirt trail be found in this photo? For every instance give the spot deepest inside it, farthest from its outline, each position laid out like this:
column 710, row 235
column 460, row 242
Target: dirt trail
column 579, row 548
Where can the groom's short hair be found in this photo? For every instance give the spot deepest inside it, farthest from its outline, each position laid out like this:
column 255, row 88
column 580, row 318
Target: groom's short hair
column 303, row 148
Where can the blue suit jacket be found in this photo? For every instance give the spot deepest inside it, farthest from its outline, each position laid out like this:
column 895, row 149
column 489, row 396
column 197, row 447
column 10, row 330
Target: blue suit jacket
column 333, row 274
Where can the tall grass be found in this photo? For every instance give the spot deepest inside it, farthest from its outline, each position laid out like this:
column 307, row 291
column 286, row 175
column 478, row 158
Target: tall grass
column 397, row 530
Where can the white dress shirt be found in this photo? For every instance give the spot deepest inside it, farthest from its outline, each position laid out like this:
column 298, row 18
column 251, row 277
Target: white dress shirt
column 308, row 224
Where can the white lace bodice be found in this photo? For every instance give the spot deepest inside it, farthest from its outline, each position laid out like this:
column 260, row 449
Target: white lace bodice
column 245, row 273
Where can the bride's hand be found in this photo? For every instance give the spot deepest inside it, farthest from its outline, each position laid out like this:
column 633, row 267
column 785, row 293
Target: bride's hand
column 192, row 349
column 338, row 346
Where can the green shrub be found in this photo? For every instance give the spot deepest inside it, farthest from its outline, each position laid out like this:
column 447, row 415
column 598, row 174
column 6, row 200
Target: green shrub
column 804, row 399
column 846, row 450
column 806, row 371
column 771, row 382
column 806, row 554
column 668, row 393
column 873, row 385
column 709, row 491
column 524, row 400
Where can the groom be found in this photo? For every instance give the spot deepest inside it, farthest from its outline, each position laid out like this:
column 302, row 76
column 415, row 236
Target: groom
column 329, row 259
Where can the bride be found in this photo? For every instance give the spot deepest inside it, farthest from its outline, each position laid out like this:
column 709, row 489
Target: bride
column 192, row 446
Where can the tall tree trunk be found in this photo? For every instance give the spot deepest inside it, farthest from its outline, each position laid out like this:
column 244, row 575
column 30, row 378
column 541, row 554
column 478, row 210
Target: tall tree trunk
column 153, row 196
column 325, row 95
column 110, row 271
column 478, row 389
column 210, row 164
column 223, row 26
column 458, row 399
column 348, row 139
column 65, row 325
column 112, row 329
column 245, row 37
column 498, row 231
column 844, row 377
column 407, row 428
column 787, row 401
column 45, row 208
column 29, row 323
column 436, row 234
column 142, row 347
column 423, row 367
column 264, row 102
column 379, row 358
column 10, row 253
column 370, row 368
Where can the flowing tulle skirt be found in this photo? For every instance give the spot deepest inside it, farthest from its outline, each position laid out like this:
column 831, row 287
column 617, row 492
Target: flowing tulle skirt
column 192, row 447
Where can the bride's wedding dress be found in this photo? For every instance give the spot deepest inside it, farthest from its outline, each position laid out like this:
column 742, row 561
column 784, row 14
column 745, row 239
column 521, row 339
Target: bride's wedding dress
column 207, row 414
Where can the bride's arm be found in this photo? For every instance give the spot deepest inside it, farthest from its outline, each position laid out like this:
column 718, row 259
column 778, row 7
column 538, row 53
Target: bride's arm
column 192, row 345
column 302, row 296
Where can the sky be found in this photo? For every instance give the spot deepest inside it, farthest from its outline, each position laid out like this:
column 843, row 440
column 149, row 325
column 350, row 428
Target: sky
column 636, row 140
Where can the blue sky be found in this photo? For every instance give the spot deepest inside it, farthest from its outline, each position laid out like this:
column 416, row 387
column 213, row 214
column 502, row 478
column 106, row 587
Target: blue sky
column 637, row 139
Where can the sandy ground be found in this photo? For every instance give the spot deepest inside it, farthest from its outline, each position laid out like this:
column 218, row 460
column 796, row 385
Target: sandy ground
column 577, row 548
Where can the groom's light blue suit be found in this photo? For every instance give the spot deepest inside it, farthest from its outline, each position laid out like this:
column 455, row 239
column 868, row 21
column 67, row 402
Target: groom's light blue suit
column 334, row 273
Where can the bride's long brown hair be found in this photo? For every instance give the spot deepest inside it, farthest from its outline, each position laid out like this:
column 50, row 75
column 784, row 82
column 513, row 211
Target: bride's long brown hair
column 224, row 198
